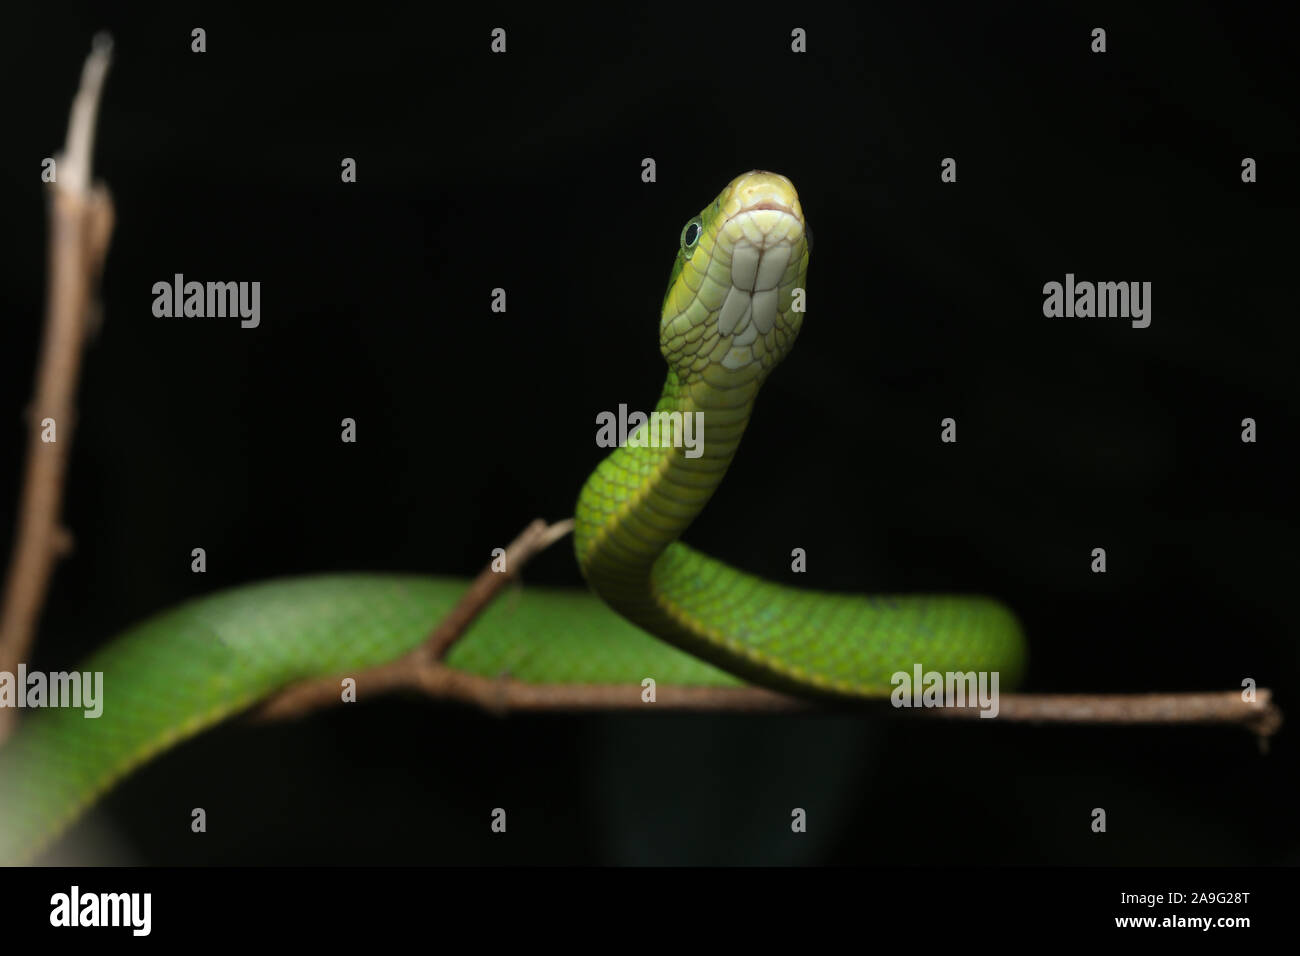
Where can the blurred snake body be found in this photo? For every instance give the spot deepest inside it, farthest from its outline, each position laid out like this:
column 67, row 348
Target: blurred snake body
column 733, row 308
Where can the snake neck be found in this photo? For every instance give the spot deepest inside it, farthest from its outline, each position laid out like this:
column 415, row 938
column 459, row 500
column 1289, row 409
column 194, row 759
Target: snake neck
column 640, row 499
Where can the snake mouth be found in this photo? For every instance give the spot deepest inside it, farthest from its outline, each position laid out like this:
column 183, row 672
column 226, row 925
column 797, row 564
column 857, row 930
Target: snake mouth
column 769, row 204
column 762, row 193
column 764, row 226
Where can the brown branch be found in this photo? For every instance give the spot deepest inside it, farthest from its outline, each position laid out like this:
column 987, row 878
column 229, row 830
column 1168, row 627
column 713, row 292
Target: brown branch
column 1261, row 716
column 502, row 696
column 423, row 670
column 81, row 221
column 414, row 669
column 537, row 537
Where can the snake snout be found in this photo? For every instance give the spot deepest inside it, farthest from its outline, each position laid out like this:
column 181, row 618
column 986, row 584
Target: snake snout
column 759, row 190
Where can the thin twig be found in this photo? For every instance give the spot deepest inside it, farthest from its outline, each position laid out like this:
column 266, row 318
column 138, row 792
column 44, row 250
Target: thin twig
column 537, row 537
column 1261, row 715
column 423, row 669
column 504, row 695
column 413, row 670
column 81, row 221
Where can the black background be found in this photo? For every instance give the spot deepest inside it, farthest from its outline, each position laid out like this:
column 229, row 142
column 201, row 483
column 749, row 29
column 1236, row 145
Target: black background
column 925, row 301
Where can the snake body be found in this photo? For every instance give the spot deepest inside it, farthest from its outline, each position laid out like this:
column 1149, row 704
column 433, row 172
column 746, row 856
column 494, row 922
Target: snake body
column 660, row 609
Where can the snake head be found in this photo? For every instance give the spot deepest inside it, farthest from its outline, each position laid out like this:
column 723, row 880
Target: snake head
column 735, row 298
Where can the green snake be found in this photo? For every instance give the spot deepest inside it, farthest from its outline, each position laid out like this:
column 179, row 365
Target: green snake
column 732, row 311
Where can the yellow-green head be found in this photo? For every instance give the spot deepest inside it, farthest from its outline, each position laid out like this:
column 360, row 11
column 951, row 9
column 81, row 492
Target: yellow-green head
column 736, row 296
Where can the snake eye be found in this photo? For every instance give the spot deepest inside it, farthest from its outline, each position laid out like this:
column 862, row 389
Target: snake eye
column 691, row 236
